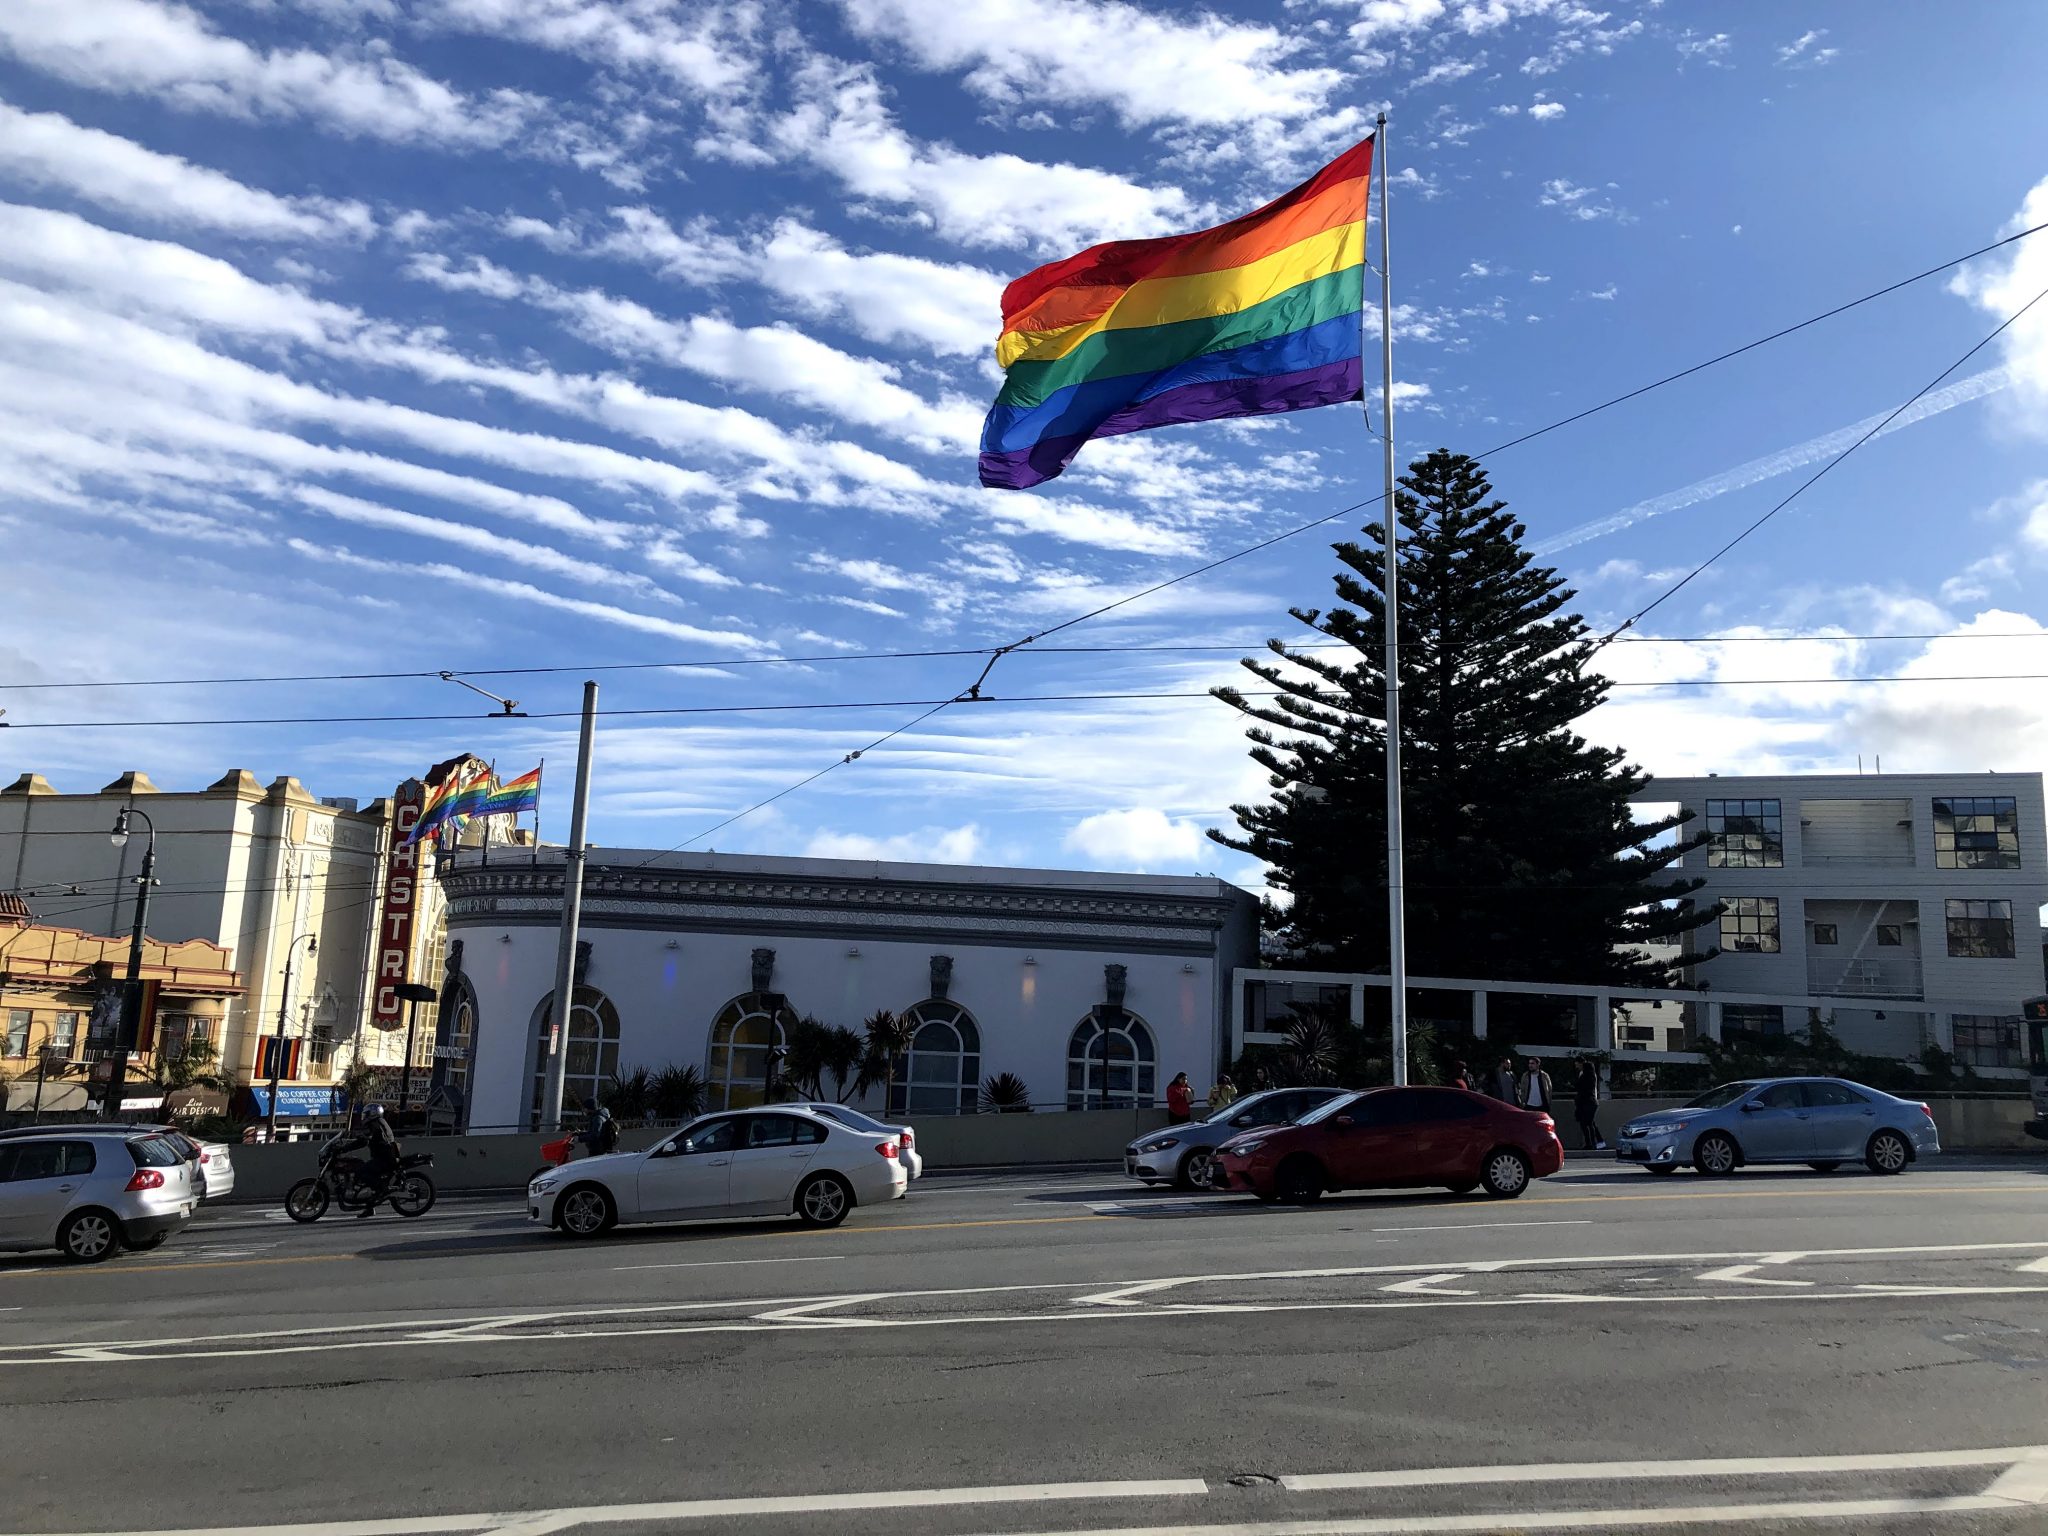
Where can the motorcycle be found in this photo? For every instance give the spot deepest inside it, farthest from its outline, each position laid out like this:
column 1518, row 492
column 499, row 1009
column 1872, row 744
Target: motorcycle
column 342, row 1181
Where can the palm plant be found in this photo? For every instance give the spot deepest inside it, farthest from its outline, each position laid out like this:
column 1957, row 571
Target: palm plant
column 629, row 1098
column 844, row 1049
column 888, row 1037
column 1312, row 1049
column 804, row 1057
column 677, row 1093
column 1005, row 1094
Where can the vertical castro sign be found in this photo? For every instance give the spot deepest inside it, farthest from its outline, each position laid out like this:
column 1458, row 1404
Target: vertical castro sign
column 401, row 899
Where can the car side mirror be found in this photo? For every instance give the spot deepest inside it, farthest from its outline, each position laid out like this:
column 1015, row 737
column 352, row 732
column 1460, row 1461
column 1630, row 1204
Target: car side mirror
column 1244, row 1119
column 1751, row 1106
column 1344, row 1120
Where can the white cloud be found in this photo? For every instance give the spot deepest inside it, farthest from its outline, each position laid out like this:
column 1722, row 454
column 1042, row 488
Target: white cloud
column 842, row 125
column 927, row 845
column 45, row 149
column 1605, row 295
column 137, row 47
column 1507, row 109
column 1444, row 71
column 1805, row 52
column 1141, row 838
column 1478, row 269
column 1017, row 512
column 2000, row 286
column 707, row 48
column 1539, row 277
column 1583, row 203
column 1546, row 111
column 1146, row 67
column 1712, row 48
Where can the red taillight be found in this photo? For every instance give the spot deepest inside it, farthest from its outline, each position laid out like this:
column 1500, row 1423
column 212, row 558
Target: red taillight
column 1929, row 1113
column 205, row 1156
column 146, row 1178
column 886, row 1148
column 909, row 1137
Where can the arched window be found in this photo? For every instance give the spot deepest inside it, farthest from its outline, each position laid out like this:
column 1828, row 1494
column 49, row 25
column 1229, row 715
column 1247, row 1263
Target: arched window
column 941, row 1072
column 461, row 1040
column 591, row 1045
column 1110, row 1062
column 736, row 1074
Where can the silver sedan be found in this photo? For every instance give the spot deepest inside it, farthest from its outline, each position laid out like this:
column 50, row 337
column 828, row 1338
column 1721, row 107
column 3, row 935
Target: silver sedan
column 1183, row 1154
column 1822, row 1122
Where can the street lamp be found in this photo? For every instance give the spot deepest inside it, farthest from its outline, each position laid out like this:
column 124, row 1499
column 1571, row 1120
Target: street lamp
column 312, row 943
column 131, row 990
column 413, row 993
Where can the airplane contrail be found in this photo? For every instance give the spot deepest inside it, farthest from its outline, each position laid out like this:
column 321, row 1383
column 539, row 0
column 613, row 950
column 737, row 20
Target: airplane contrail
column 1812, row 451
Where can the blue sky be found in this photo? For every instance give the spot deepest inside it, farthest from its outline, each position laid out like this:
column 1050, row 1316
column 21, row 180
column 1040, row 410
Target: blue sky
column 399, row 335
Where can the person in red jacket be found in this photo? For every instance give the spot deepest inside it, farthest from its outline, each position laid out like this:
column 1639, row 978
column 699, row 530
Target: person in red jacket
column 1180, row 1099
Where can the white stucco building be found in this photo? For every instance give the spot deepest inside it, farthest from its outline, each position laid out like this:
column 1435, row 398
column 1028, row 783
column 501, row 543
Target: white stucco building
column 255, row 869
column 706, row 959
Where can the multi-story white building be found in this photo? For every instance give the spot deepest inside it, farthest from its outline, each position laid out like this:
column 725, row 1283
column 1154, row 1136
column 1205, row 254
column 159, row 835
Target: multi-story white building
column 255, row 869
column 1906, row 907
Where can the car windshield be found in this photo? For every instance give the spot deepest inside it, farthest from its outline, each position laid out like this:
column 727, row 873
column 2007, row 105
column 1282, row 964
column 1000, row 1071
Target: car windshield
column 1716, row 1098
column 1324, row 1111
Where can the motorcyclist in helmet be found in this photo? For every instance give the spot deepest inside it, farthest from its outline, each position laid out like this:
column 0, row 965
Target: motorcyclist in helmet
column 381, row 1143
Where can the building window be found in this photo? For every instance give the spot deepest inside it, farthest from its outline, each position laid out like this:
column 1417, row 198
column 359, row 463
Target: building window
column 64, row 1034
column 1976, row 832
column 590, row 1045
column 1116, row 1043
column 1980, row 930
column 1826, row 933
column 17, row 1031
column 1745, row 834
column 1750, row 924
column 173, row 1032
column 461, row 1037
column 941, row 1072
column 1890, row 936
column 1751, row 1019
column 320, row 1047
column 1988, row 1040
column 746, row 1029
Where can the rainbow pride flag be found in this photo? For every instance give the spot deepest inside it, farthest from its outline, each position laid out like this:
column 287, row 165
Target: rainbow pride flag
column 513, row 796
column 1252, row 317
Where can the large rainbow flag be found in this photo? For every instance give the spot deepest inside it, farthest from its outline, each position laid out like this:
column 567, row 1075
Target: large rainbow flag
column 1252, row 317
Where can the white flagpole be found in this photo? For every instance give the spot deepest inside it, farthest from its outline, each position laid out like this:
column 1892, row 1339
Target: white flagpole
column 1397, row 938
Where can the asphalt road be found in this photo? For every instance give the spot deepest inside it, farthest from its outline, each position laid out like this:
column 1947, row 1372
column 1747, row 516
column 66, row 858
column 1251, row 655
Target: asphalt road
column 1069, row 1352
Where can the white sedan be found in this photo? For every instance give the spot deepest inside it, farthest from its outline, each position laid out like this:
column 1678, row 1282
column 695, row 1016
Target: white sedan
column 755, row 1162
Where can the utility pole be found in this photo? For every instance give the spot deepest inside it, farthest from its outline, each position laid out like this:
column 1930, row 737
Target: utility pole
column 572, row 916
column 126, row 1031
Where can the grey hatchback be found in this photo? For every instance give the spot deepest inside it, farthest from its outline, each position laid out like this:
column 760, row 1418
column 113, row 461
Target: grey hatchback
column 1184, row 1154
column 1823, row 1122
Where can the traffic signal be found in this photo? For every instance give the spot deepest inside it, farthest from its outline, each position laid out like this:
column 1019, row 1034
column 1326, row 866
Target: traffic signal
column 2035, row 1008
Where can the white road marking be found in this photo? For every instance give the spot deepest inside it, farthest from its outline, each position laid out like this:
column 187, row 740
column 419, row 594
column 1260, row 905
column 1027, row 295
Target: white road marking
column 1427, row 1285
column 1746, row 1274
column 1488, row 1226
column 820, row 1258
column 2038, row 1267
column 712, row 1509
column 1602, row 1471
column 2026, row 1481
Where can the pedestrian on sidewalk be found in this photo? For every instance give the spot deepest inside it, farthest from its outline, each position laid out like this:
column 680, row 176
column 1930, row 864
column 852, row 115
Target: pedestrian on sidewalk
column 1586, row 1103
column 1504, row 1087
column 1460, row 1077
column 1536, row 1092
column 1223, row 1095
column 1180, row 1099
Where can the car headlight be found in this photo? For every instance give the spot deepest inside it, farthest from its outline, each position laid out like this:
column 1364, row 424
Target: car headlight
column 544, row 1186
column 1159, row 1145
column 1656, row 1128
column 1244, row 1148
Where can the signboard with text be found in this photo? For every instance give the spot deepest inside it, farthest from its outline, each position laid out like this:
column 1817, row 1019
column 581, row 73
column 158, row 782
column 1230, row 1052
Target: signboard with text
column 401, row 900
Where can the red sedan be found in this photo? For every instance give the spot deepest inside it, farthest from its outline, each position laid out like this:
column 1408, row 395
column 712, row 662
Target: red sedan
column 1395, row 1138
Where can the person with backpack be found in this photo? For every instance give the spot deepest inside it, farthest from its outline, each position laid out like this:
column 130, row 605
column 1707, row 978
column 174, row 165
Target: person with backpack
column 600, row 1132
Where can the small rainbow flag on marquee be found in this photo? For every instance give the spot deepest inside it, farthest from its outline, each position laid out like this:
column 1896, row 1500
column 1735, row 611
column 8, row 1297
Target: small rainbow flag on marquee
column 513, row 796
column 1252, row 317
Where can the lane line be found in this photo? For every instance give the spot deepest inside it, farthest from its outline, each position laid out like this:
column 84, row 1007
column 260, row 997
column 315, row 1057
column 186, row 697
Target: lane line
column 1489, row 1226
column 1833, row 1193
column 926, row 1226
column 1574, row 1520
column 2026, row 1481
column 816, row 1258
column 707, row 1509
column 1600, row 1471
column 159, row 1269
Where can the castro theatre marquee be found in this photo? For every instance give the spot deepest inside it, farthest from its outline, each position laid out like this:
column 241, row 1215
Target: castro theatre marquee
column 706, row 960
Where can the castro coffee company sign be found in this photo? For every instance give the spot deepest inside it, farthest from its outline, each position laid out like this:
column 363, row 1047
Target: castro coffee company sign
column 401, row 900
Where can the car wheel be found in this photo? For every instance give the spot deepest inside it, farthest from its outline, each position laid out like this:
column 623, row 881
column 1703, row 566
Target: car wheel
column 306, row 1200
column 1887, row 1153
column 1300, row 1181
column 1823, row 1167
column 89, row 1236
column 1465, row 1188
column 1715, row 1155
column 1197, row 1170
column 586, row 1211
column 823, row 1201
column 1506, row 1173
column 1661, row 1168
